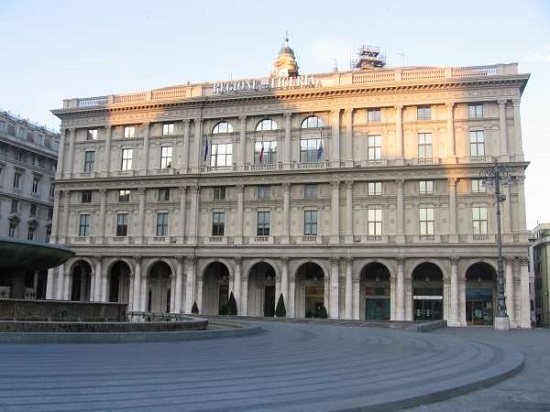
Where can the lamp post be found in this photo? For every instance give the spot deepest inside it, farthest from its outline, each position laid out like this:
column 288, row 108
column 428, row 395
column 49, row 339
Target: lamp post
column 498, row 174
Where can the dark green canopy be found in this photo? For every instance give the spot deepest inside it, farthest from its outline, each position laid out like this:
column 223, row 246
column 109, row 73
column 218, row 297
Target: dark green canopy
column 17, row 254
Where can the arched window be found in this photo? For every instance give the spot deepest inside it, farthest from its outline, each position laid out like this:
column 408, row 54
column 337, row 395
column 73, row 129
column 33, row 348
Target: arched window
column 312, row 122
column 266, row 125
column 222, row 127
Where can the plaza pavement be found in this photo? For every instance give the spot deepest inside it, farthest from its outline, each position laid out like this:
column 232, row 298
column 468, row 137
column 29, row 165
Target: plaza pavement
column 289, row 367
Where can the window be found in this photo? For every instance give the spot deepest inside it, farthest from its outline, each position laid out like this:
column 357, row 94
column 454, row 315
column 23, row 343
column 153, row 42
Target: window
column 124, row 195
column 86, row 196
column 165, row 157
column 311, row 191
column 374, row 188
column 129, row 131
column 30, row 233
column 218, row 223
column 263, row 223
column 92, row 134
column 162, row 224
column 126, row 163
column 222, row 155
column 269, row 153
column 89, row 159
column 424, row 113
column 35, row 185
column 374, row 115
column 50, row 213
column 21, row 133
column 311, row 150
column 222, row 127
column 263, row 192
column 14, row 206
column 374, row 217
column 2, row 126
column 477, row 143
column 164, row 194
column 219, row 193
column 479, row 220
column 265, row 125
column 425, row 148
column 122, row 224
column 39, row 140
column 478, row 186
column 168, row 129
column 475, row 111
column 310, row 222
column 33, row 210
column 374, row 148
column 427, row 223
column 17, row 180
column 426, row 187
column 312, row 122
column 48, row 234
column 84, row 225
column 52, row 190
column 12, row 230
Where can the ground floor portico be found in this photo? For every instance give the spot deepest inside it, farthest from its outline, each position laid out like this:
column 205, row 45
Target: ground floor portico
column 459, row 290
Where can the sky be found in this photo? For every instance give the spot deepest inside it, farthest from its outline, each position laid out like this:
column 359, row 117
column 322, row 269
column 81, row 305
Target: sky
column 58, row 49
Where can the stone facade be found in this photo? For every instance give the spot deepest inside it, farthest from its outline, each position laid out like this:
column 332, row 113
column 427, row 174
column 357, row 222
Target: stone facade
column 356, row 191
column 540, row 273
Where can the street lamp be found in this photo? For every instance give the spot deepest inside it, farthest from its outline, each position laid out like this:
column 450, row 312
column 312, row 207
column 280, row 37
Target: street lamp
column 498, row 174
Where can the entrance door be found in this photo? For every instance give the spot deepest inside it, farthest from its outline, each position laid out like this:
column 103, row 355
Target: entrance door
column 269, row 301
column 377, row 309
column 223, row 297
column 479, row 312
column 428, row 309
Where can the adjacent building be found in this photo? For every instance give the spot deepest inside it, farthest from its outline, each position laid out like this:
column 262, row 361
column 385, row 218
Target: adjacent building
column 355, row 192
column 540, row 270
column 28, row 159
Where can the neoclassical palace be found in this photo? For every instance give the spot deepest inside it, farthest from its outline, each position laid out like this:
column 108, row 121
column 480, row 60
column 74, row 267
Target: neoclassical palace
column 356, row 192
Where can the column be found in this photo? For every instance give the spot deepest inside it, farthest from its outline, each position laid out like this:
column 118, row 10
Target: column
column 349, row 289
column 349, row 212
column 240, row 215
column 451, row 131
column 60, row 288
column 525, row 309
column 518, row 139
column 146, row 132
column 400, row 233
column 183, row 212
column 185, row 167
column 335, row 146
column 104, row 297
column 509, row 290
column 520, row 213
column 55, row 218
column 190, row 284
column 107, row 161
column 335, row 213
column 237, row 285
column 507, row 214
column 400, row 291
column 179, row 284
column 172, row 304
column 199, row 291
column 292, row 296
column 66, row 196
column 244, row 297
column 286, row 213
column 61, row 155
column 399, row 135
column 136, row 304
column 284, row 281
column 455, row 301
column 143, row 293
column 96, row 282
column 66, row 281
column 453, row 235
column 288, row 139
column 141, row 216
column 348, row 120
column 197, row 152
column 356, row 286
column 334, row 288
column 70, row 157
column 502, row 129
column 102, row 207
column 242, row 144
column 50, row 285
column 194, row 215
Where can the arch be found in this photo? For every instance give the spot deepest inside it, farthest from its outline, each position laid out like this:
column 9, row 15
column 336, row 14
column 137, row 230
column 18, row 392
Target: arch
column 215, row 288
column 310, row 292
column 375, row 291
column 265, row 125
column 481, row 292
column 222, row 127
column 427, row 287
column 312, row 122
column 261, row 289
column 80, row 280
column 159, row 276
column 118, row 275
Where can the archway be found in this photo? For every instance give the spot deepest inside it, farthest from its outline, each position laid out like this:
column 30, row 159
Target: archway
column 215, row 292
column 480, row 294
column 310, row 290
column 81, row 276
column 375, row 292
column 158, row 293
column 427, row 283
column 261, row 290
column 119, row 282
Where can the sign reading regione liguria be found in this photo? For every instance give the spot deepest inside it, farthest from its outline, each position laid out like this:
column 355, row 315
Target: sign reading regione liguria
column 267, row 83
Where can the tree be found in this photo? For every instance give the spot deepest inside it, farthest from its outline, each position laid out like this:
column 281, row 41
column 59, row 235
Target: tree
column 280, row 310
column 232, row 305
column 195, row 308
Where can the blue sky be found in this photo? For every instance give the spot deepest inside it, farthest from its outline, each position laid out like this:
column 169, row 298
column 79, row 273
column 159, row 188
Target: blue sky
column 58, row 49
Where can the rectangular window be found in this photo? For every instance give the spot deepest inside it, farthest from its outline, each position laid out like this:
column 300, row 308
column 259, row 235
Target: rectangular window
column 126, row 163
column 374, row 188
column 311, row 191
column 35, row 185
column 33, row 210
column 162, row 224
column 12, row 231
column 168, row 129
column 426, row 187
column 2, row 126
column 374, row 218
column 84, row 225
column 374, row 147
column 478, row 186
column 164, row 194
column 222, row 155
column 122, row 224
column 124, row 195
column 269, row 155
column 427, row 222
column 263, row 223
column 425, row 148
column 479, row 219
column 30, row 233
column 39, row 139
column 263, row 192
column 310, row 222
column 17, row 180
column 129, row 131
column 89, row 159
column 86, row 196
column 374, row 115
column 219, row 193
column 311, row 150
column 218, row 223
column 92, row 134
column 475, row 111
column 21, row 133
column 165, row 157
column 14, row 206
column 423, row 113
column 477, row 143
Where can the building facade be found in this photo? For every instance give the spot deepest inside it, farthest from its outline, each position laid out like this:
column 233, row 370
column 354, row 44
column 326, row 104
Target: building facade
column 28, row 159
column 356, row 192
column 540, row 270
